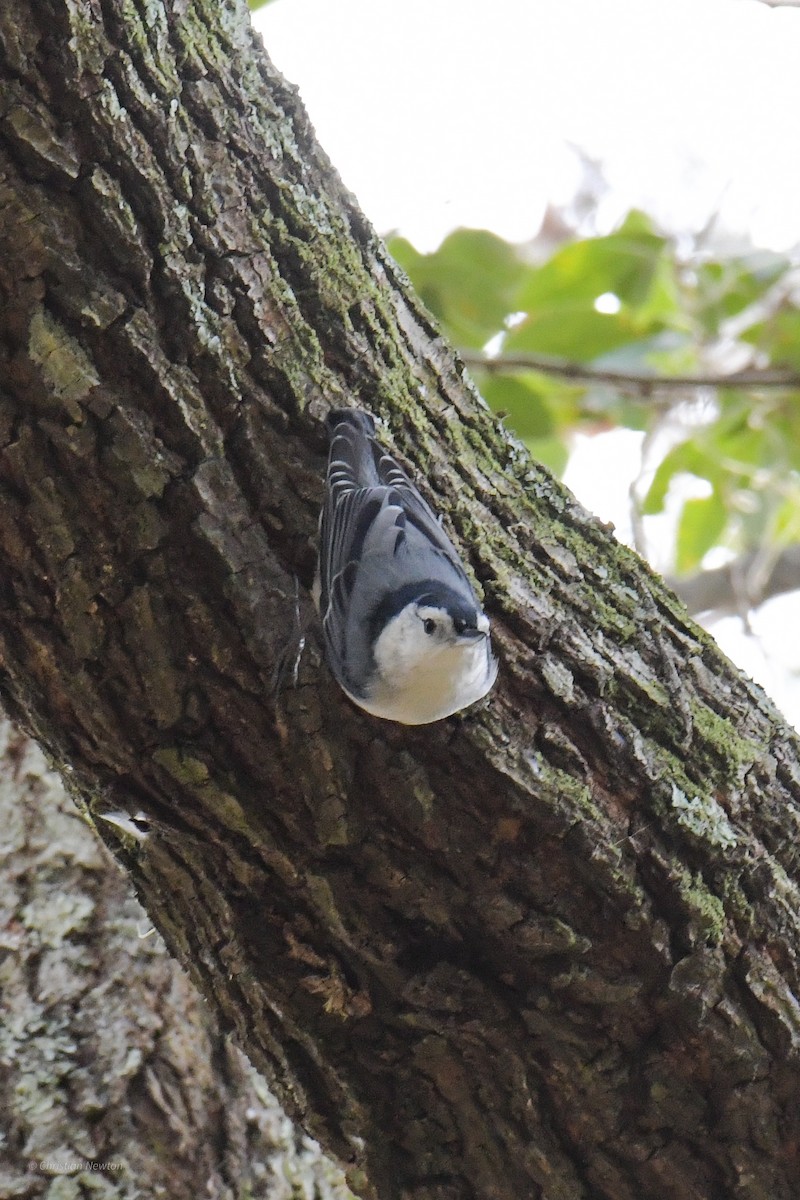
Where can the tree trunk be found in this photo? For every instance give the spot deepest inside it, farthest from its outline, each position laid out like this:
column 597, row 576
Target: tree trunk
column 114, row 1081
column 546, row 949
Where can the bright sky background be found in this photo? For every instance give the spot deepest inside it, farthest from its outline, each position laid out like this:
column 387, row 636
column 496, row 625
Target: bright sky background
column 440, row 113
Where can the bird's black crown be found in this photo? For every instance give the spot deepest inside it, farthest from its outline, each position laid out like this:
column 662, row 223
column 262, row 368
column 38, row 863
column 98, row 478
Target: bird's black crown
column 431, row 592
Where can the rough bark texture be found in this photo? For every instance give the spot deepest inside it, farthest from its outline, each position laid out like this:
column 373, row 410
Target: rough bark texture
column 548, row 949
column 113, row 1080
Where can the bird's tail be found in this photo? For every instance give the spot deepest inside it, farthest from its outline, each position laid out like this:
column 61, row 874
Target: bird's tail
column 354, row 452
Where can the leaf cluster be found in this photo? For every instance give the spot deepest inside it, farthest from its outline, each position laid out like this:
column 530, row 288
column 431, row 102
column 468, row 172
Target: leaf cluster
column 722, row 457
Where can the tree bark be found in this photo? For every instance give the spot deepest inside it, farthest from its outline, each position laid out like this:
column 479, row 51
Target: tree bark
column 546, row 949
column 114, row 1079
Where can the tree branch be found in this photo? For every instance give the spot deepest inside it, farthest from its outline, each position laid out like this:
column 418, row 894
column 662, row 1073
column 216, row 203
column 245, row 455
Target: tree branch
column 741, row 585
column 644, row 384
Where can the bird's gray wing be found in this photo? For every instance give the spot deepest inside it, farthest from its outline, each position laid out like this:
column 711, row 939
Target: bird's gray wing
column 360, row 533
column 417, row 512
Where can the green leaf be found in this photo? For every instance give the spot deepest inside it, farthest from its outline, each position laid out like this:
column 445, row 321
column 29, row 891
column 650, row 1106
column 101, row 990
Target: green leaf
column 778, row 337
column 535, row 404
column 470, row 283
column 553, row 453
column 688, row 458
column 624, row 263
column 783, row 420
column 724, row 288
column 700, row 527
column 574, row 331
column 523, row 401
column 539, row 411
column 785, row 524
column 747, row 443
column 560, row 298
column 604, row 408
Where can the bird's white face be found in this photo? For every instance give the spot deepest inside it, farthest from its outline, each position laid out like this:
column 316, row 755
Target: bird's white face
column 440, row 627
column 430, row 665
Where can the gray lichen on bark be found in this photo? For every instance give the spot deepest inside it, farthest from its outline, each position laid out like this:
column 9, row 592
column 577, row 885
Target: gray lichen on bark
column 114, row 1080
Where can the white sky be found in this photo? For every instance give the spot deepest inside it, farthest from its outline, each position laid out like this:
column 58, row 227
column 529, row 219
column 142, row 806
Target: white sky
column 440, row 113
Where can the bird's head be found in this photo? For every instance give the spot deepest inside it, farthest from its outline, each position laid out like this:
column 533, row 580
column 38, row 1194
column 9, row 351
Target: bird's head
column 448, row 620
column 423, row 621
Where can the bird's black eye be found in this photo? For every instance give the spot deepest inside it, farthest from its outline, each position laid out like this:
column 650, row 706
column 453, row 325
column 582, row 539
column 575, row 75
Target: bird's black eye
column 459, row 624
column 429, row 625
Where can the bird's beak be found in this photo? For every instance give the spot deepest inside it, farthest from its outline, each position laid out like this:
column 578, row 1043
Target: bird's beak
column 481, row 630
column 477, row 632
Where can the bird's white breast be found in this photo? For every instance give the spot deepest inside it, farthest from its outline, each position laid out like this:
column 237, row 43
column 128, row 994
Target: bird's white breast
column 419, row 680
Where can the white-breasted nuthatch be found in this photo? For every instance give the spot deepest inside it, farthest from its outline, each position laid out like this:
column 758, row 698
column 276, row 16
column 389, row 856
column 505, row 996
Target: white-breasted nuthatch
column 404, row 633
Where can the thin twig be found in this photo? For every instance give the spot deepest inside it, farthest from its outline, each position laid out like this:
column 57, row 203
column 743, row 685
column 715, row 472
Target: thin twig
column 640, row 383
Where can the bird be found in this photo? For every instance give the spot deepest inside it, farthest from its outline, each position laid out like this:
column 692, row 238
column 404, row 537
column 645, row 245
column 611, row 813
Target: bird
column 404, row 634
